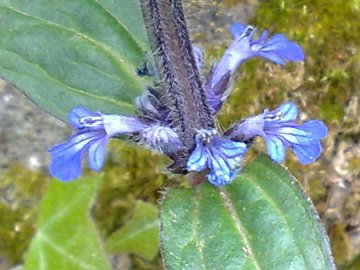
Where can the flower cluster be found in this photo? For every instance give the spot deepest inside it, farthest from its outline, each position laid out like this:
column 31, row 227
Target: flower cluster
column 218, row 154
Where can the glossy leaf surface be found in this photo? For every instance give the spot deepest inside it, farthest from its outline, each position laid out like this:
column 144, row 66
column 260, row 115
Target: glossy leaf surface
column 260, row 221
column 73, row 52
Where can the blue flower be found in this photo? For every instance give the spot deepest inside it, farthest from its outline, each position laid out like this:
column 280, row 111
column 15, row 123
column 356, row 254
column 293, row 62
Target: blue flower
column 276, row 48
column 279, row 131
column 93, row 130
column 92, row 133
column 222, row 157
column 167, row 123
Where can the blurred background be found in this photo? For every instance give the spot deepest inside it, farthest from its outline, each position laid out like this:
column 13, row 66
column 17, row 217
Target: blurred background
column 326, row 86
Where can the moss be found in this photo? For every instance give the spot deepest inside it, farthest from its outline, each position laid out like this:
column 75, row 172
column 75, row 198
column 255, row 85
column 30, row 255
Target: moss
column 340, row 244
column 130, row 174
column 20, row 193
column 326, row 31
column 354, row 265
column 328, row 36
column 354, row 165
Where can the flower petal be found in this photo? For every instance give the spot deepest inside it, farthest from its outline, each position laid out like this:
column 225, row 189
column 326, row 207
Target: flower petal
column 230, row 149
column 237, row 29
column 65, row 168
column 317, row 129
column 249, row 128
column 93, row 131
column 276, row 148
column 294, row 135
column 76, row 114
column 198, row 159
column 161, row 138
column 222, row 179
column 96, row 154
column 118, row 124
column 286, row 111
column 285, row 48
column 278, row 49
column 307, row 154
column 65, row 161
column 221, row 156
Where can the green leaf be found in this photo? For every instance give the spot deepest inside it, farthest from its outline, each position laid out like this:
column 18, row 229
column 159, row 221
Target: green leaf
column 140, row 235
column 260, row 221
column 73, row 52
column 66, row 237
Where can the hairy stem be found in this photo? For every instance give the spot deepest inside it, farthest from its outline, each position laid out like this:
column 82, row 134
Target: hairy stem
column 174, row 58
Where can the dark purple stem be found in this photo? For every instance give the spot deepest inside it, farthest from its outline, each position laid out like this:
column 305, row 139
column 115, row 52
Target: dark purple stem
column 174, row 58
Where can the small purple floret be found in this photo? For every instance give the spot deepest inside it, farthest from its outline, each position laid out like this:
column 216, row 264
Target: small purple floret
column 276, row 48
column 279, row 130
column 163, row 139
column 92, row 133
column 222, row 157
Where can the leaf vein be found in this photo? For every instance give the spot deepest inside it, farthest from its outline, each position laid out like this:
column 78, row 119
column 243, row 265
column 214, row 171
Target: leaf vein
column 304, row 208
column 276, row 207
column 63, row 253
column 133, row 234
column 73, row 89
column 196, row 225
column 122, row 65
column 239, row 226
column 120, row 24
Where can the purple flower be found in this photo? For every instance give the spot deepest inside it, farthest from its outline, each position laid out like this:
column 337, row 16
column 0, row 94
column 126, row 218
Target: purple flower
column 222, row 157
column 276, row 48
column 161, row 138
column 279, row 131
column 181, row 125
column 92, row 133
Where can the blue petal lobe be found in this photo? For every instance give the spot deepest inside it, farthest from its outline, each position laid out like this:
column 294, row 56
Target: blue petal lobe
column 65, row 161
column 221, row 156
column 289, row 111
column 198, row 159
column 76, row 143
column 281, row 132
column 271, row 56
column 76, row 114
column 96, row 154
column 237, row 29
column 275, row 148
column 278, row 49
column 307, row 154
column 317, row 129
column 65, row 168
column 285, row 48
column 232, row 149
column 295, row 135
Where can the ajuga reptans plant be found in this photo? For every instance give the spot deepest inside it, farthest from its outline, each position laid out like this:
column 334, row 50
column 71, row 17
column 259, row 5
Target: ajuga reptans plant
column 176, row 116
